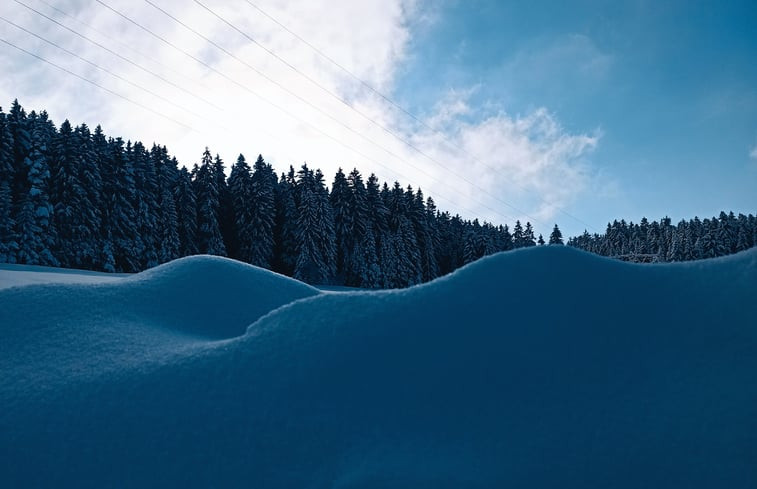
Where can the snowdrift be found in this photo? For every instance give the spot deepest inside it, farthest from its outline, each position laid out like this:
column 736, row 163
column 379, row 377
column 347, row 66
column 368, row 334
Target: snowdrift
column 18, row 275
column 545, row 367
column 57, row 332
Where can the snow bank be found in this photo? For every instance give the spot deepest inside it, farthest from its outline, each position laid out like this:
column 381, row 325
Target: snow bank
column 55, row 332
column 545, row 367
column 20, row 275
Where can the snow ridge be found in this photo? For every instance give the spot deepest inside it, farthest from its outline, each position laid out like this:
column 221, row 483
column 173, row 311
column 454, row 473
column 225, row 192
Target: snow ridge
column 546, row 367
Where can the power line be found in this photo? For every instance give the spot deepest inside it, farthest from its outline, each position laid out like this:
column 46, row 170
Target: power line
column 119, row 55
column 169, row 118
column 277, row 106
column 362, row 114
column 335, row 63
column 305, row 101
column 392, row 102
column 124, row 45
column 215, row 123
column 115, row 75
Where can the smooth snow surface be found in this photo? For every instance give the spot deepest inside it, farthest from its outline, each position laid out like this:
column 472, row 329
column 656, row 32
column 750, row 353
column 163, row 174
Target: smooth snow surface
column 545, row 367
column 18, row 275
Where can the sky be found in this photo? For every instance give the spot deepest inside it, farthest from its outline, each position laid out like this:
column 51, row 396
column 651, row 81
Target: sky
column 574, row 113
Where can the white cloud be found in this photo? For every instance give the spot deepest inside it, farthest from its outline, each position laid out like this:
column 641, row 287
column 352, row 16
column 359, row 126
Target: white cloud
column 529, row 162
column 516, row 157
column 753, row 153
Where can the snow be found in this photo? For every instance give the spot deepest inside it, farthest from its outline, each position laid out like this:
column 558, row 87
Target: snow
column 18, row 275
column 545, row 367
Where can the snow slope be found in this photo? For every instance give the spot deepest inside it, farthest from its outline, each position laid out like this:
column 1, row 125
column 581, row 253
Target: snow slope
column 18, row 275
column 544, row 367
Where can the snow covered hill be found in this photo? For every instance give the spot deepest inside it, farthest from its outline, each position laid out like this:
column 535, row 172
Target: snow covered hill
column 545, row 367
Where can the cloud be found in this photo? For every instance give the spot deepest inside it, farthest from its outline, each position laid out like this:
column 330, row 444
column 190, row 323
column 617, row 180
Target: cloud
column 526, row 165
column 472, row 162
column 753, row 153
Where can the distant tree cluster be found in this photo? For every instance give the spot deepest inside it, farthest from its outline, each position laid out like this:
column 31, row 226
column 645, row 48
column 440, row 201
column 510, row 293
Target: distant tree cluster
column 75, row 198
column 663, row 242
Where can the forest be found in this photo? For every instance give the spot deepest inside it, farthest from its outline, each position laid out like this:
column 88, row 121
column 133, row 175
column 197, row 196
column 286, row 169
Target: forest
column 73, row 197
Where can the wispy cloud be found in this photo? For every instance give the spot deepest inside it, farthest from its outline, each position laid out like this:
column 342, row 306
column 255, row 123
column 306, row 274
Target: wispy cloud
column 527, row 161
column 502, row 157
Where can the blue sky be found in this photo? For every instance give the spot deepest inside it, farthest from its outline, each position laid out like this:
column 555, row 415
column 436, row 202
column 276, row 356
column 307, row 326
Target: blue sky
column 569, row 112
column 672, row 86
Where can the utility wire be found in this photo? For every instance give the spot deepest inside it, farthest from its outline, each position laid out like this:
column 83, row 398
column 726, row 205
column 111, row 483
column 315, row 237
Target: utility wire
column 169, row 118
column 119, row 55
column 290, row 92
column 362, row 114
column 124, row 45
column 398, row 106
column 115, row 75
column 279, row 107
column 215, row 123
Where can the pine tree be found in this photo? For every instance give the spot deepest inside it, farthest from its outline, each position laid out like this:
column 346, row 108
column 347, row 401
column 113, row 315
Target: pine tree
column 263, row 215
column 105, row 259
column 166, row 174
column 36, row 230
column 340, row 203
column 380, row 229
column 240, row 188
column 528, row 235
column 121, row 223
column 285, row 236
column 209, row 238
column 405, row 249
column 519, row 240
column 90, row 214
column 21, row 138
column 476, row 242
column 556, row 237
column 66, row 193
column 362, row 265
column 8, row 244
column 225, row 210
column 186, row 209
column 146, row 206
column 316, row 249
column 422, row 225
column 432, row 241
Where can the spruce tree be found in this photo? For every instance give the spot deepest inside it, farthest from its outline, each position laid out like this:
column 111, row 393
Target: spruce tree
column 240, row 189
column 340, row 203
column 379, row 223
column 528, row 235
column 8, row 244
column 120, row 189
column 263, row 213
column 36, row 229
column 225, row 210
column 363, row 268
column 209, row 238
column 285, row 225
column 186, row 212
column 556, row 237
column 519, row 240
column 105, row 259
column 316, row 249
column 166, row 174
column 66, row 193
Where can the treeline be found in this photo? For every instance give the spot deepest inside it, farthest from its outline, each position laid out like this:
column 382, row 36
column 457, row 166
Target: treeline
column 663, row 242
column 75, row 198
